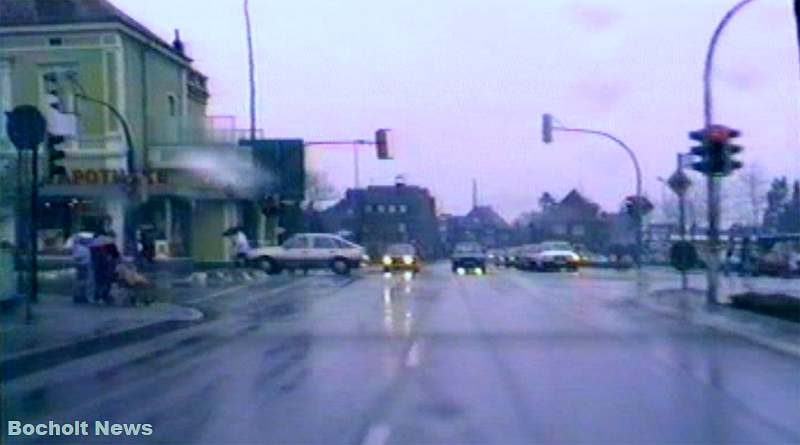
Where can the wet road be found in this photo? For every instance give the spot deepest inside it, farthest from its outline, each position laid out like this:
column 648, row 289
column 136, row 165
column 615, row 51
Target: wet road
column 511, row 357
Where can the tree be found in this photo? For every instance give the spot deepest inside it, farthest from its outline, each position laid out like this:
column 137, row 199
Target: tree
column 776, row 200
column 789, row 219
column 546, row 202
column 753, row 181
column 318, row 189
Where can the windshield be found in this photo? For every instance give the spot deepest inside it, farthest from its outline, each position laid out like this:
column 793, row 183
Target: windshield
column 399, row 222
column 400, row 249
column 468, row 248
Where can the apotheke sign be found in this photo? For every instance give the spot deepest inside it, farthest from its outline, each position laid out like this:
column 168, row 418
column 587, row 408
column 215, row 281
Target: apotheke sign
column 102, row 176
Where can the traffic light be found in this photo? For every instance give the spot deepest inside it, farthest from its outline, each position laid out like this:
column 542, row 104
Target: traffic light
column 382, row 144
column 716, row 152
column 54, row 157
column 547, row 128
column 56, row 95
column 637, row 207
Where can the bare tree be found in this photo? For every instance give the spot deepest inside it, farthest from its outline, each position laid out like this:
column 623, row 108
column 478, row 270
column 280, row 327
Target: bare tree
column 753, row 184
column 318, row 189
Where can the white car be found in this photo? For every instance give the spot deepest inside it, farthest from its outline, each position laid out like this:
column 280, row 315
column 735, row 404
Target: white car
column 556, row 260
column 309, row 251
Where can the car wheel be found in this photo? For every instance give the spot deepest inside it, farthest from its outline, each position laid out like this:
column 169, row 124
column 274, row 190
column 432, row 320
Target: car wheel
column 269, row 265
column 340, row 266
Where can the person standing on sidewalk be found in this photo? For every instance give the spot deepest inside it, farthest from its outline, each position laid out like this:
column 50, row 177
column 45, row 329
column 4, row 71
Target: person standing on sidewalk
column 241, row 247
column 105, row 257
column 81, row 256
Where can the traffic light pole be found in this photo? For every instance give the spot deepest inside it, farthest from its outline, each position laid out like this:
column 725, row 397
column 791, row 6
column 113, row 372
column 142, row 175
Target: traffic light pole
column 33, row 230
column 713, row 185
column 638, row 170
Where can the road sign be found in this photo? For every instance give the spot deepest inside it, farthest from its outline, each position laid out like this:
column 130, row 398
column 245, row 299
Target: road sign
column 26, row 127
column 683, row 255
column 679, row 182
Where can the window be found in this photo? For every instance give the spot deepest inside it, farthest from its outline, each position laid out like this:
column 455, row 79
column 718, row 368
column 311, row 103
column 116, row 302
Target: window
column 381, row 208
column 392, row 209
column 323, row 242
column 172, row 104
column 401, row 227
column 368, row 208
column 297, row 242
column 402, row 208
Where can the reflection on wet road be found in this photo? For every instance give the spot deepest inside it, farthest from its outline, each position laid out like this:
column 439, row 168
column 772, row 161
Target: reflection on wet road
column 510, row 357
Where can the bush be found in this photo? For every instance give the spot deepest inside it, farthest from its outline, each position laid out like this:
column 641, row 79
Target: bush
column 780, row 306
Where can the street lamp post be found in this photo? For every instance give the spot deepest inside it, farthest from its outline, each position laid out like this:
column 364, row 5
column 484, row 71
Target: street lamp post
column 547, row 136
column 712, row 183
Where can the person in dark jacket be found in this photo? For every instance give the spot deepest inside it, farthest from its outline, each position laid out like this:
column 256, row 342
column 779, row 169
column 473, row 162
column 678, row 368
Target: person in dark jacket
column 105, row 258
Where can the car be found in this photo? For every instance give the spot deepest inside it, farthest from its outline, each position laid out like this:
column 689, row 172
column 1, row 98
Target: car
column 525, row 256
column 555, row 255
column 496, row 257
column 401, row 257
column 468, row 257
column 306, row 251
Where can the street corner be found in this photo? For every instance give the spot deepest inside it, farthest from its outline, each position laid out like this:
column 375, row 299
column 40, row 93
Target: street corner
column 761, row 328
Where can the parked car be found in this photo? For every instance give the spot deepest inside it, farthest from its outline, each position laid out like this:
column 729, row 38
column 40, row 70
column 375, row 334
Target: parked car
column 402, row 257
column 496, row 257
column 309, row 251
column 468, row 257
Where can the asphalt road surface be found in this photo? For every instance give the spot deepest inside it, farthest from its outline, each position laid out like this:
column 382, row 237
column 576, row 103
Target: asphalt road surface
column 511, row 357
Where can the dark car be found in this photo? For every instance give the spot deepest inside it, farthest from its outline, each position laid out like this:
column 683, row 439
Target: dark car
column 468, row 257
column 401, row 257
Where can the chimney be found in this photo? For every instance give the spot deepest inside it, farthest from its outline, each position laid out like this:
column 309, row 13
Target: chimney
column 177, row 44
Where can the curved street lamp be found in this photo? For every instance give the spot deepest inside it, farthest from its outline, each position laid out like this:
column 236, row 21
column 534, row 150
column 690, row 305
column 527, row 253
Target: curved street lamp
column 548, row 128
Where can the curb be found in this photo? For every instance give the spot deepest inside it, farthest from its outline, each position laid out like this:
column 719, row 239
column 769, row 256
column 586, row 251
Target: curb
column 30, row 362
column 741, row 331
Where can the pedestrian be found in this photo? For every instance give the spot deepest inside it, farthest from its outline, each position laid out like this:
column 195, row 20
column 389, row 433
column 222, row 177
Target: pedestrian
column 726, row 266
column 241, row 247
column 745, row 267
column 105, row 257
column 81, row 257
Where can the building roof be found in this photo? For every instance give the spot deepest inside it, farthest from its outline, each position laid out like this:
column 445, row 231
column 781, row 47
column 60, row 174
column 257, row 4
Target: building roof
column 15, row 13
column 488, row 217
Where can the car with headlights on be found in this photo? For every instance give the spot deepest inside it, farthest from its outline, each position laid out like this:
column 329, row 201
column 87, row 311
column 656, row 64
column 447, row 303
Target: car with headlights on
column 401, row 257
column 555, row 255
column 306, row 251
column 468, row 257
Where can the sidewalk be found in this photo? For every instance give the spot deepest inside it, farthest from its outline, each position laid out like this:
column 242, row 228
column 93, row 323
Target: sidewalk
column 61, row 330
column 690, row 305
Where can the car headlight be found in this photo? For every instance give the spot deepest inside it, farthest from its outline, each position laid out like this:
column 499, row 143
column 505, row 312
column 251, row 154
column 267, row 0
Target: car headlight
column 365, row 258
column 387, row 260
column 408, row 259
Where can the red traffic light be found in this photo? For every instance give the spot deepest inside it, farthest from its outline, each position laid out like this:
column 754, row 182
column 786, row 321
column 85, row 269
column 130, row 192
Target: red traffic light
column 716, row 134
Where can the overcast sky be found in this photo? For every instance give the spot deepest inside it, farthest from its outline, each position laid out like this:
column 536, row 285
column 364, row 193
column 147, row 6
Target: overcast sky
column 463, row 84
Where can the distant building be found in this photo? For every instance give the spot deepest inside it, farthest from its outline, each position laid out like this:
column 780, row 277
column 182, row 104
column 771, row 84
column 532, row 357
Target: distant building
column 381, row 215
column 482, row 224
column 575, row 219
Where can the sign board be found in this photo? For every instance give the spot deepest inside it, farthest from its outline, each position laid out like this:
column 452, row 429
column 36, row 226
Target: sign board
column 683, row 256
column 26, row 127
column 282, row 162
column 679, row 182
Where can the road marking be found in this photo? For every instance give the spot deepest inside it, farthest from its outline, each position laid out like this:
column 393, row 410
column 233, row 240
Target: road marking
column 235, row 289
column 377, row 434
column 412, row 358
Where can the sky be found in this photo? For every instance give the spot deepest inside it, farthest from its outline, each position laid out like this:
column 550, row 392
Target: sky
column 463, row 85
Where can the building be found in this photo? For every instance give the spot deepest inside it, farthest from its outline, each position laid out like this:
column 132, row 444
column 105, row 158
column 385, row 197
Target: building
column 381, row 215
column 575, row 219
column 482, row 224
column 195, row 177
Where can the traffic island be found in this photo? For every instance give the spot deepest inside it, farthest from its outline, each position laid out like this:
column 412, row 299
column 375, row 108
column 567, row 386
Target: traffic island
column 690, row 305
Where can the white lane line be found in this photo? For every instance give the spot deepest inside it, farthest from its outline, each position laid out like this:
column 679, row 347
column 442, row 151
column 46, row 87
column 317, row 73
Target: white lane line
column 377, row 434
column 412, row 358
column 238, row 288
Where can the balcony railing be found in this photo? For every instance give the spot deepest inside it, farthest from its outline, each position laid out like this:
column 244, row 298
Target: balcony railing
column 211, row 130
